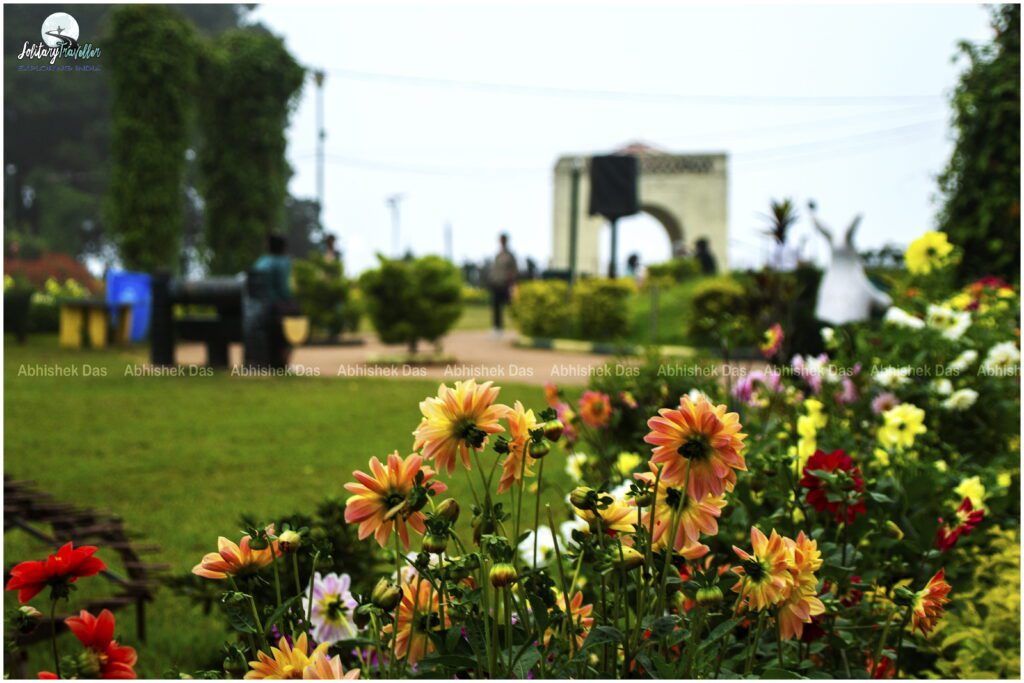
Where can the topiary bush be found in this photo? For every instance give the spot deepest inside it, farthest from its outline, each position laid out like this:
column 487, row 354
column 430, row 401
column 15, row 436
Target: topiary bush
column 541, row 308
column 673, row 271
column 326, row 296
column 412, row 299
column 600, row 308
column 719, row 313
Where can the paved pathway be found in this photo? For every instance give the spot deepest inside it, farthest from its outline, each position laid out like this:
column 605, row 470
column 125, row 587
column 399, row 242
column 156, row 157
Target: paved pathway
column 476, row 353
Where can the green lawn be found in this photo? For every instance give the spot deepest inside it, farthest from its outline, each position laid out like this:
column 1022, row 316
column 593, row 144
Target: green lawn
column 180, row 458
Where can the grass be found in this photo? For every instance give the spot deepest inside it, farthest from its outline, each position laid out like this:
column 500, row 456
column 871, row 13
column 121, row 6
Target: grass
column 179, row 458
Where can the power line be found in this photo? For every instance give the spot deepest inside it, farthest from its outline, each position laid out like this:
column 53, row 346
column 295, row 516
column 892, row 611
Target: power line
column 557, row 91
column 741, row 158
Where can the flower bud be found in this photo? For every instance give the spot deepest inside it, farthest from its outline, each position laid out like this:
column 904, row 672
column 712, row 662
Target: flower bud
column 361, row 617
column 631, row 558
column 289, row 541
column 89, row 664
column 448, row 510
column 539, row 449
column 503, row 574
column 435, row 543
column 553, row 430
column 26, row 618
column 583, row 497
column 644, row 499
column 709, row 595
column 903, row 596
column 386, row 595
column 894, row 530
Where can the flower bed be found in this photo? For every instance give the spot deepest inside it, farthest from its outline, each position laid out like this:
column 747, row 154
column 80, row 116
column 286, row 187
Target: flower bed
column 812, row 519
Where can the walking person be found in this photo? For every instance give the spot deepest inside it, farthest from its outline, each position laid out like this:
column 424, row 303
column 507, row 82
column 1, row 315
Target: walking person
column 503, row 274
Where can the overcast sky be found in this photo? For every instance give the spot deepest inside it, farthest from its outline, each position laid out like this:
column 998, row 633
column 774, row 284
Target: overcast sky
column 464, row 108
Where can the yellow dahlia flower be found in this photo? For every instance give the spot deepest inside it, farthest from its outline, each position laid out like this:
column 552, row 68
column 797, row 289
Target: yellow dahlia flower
column 456, row 420
column 927, row 253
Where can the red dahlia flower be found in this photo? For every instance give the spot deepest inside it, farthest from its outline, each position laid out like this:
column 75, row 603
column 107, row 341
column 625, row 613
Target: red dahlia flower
column 103, row 657
column 966, row 519
column 844, row 489
column 57, row 571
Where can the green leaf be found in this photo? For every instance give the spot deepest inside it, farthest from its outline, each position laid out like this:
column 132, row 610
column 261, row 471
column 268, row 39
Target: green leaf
column 718, row 632
column 775, row 672
column 663, row 626
column 521, row 666
column 602, row 635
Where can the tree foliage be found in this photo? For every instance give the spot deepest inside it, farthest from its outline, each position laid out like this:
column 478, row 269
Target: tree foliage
column 151, row 63
column 412, row 299
column 56, row 156
column 250, row 83
column 981, row 184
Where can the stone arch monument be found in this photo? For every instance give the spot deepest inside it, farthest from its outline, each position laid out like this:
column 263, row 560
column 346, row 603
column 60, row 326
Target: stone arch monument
column 686, row 193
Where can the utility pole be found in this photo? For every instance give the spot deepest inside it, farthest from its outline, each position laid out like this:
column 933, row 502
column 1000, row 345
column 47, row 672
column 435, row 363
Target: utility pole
column 321, row 136
column 393, row 203
column 448, row 253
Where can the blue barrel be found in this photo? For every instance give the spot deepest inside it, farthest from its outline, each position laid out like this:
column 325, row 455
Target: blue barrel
column 124, row 287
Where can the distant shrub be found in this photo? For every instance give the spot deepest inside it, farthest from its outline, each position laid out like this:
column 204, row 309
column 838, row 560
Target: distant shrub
column 719, row 313
column 415, row 299
column 673, row 271
column 475, row 296
column 600, row 307
column 326, row 296
column 541, row 308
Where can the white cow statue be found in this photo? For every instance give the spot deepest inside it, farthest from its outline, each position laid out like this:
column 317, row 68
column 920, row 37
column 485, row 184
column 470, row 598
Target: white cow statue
column 845, row 294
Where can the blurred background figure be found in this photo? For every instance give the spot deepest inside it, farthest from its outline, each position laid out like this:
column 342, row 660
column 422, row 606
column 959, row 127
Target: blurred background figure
column 330, row 249
column 502, row 275
column 702, row 250
column 634, row 269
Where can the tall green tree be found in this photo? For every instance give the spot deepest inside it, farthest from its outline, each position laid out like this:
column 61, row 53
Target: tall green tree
column 981, row 184
column 250, row 84
column 151, row 57
column 56, row 156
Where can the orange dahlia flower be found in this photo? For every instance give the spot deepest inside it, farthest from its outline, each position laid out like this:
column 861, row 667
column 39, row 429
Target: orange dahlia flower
column 285, row 661
column 929, row 603
column 232, row 560
column 418, row 612
column 617, row 516
column 520, row 423
column 382, row 502
column 699, row 438
column 324, row 668
column 765, row 577
column 579, row 616
column 803, row 603
column 694, row 518
column 456, row 420
column 595, row 409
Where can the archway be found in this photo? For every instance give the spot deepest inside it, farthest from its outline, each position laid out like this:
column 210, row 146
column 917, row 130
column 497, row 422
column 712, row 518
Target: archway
column 653, row 235
column 685, row 193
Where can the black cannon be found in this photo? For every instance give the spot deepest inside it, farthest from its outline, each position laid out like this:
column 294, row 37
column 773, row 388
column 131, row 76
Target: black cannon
column 242, row 312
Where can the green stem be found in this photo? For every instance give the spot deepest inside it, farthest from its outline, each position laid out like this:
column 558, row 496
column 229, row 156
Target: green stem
column 561, row 575
column 778, row 640
column 899, row 641
column 536, row 510
column 298, row 579
column 277, row 573
column 880, row 647
column 691, row 645
column 394, row 628
column 508, row 626
column 753, row 649
column 53, row 636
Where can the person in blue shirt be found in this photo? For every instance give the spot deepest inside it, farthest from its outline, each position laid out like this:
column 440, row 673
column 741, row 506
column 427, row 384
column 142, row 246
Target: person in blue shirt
column 278, row 267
